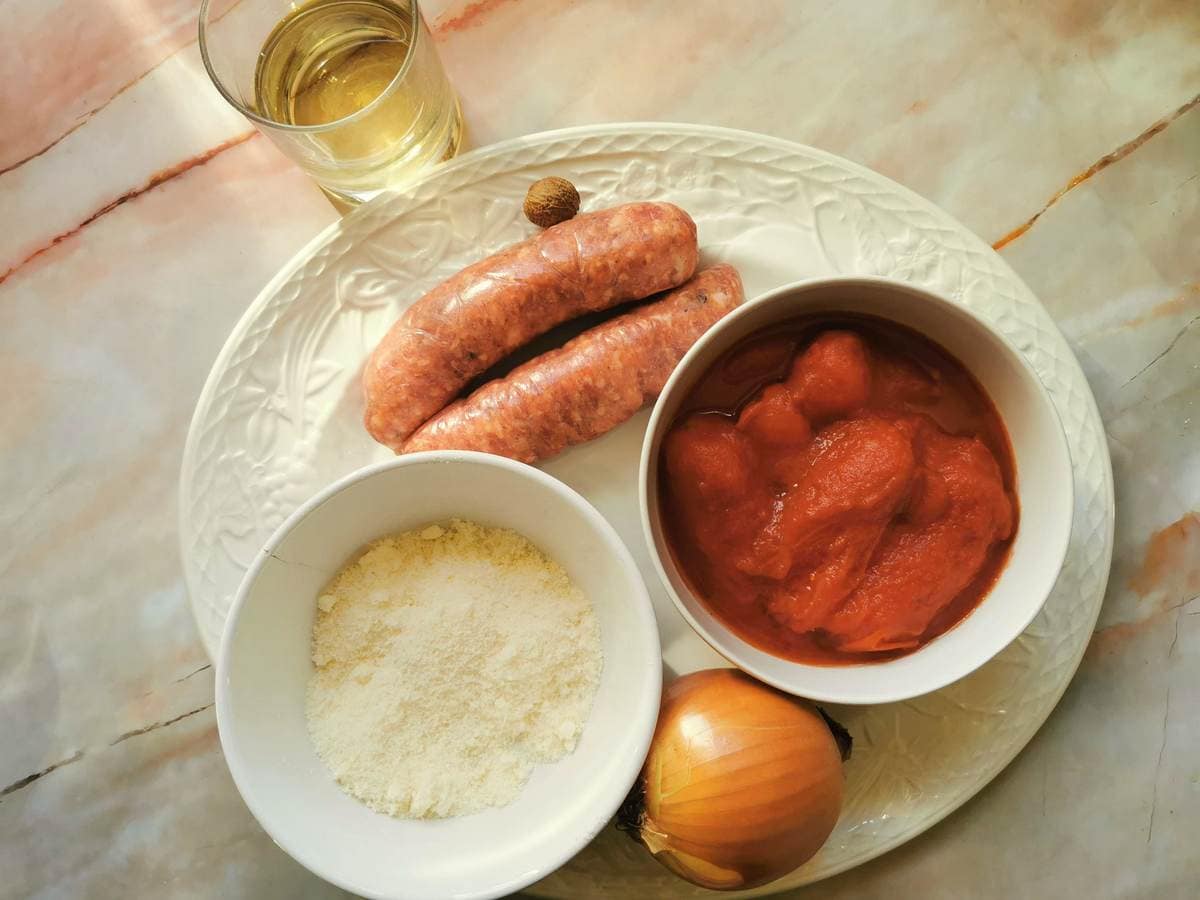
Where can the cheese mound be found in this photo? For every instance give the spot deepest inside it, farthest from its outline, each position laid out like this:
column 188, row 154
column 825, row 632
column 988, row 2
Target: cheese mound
column 449, row 662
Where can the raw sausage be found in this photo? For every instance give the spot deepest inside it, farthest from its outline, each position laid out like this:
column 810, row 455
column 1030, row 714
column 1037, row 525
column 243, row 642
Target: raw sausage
column 589, row 385
column 475, row 318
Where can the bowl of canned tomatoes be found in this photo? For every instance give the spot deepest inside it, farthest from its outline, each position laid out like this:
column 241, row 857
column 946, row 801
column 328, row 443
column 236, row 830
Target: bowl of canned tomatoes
column 856, row 490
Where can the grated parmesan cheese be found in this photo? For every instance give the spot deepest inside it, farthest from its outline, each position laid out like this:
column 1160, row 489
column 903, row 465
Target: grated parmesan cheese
column 449, row 662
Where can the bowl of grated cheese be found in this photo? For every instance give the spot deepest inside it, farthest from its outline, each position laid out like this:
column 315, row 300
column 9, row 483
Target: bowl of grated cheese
column 439, row 678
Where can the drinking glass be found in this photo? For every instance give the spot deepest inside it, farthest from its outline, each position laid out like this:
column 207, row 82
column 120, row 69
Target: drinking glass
column 352, row 90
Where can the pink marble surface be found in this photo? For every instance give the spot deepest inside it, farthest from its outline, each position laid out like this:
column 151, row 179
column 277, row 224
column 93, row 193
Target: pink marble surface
column 142, row 215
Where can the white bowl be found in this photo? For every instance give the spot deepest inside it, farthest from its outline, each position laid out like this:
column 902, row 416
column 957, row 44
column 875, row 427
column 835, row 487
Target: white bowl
column 1044, row 491
column 264, row 667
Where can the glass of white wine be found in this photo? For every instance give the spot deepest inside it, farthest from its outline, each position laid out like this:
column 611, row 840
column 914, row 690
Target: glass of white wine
column 352, row 90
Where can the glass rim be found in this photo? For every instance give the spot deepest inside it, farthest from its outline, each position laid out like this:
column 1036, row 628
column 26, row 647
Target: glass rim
column 305, row 129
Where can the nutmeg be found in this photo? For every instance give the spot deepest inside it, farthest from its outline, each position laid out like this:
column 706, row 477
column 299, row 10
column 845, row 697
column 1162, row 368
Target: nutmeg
column 550, row 201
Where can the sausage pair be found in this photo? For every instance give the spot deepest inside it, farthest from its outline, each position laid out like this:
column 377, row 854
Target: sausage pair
column 570, row 395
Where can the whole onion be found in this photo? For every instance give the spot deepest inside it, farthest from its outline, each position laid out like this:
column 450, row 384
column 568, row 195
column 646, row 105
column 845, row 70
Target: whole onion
column 742, row 783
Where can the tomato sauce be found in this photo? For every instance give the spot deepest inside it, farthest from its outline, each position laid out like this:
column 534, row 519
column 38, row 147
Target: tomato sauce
column 838, row 489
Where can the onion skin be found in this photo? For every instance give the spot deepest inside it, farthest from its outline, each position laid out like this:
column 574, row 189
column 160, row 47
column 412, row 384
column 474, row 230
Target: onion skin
column 742, row 784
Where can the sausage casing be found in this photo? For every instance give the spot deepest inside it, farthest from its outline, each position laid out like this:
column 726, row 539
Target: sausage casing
column 480, row 315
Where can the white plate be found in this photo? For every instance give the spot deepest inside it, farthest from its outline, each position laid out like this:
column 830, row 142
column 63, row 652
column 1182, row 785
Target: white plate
column 280, row 418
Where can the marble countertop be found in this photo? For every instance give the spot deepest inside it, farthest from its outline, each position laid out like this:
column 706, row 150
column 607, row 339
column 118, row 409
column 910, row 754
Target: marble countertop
column 142, row 214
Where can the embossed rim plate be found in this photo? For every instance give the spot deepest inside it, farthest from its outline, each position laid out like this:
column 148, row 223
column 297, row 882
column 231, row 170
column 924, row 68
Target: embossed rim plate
column 278, row 419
